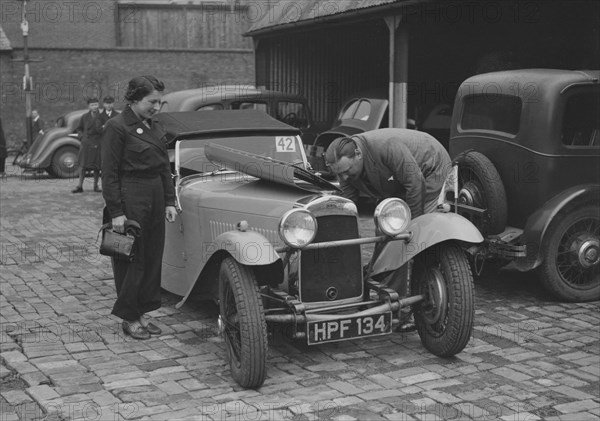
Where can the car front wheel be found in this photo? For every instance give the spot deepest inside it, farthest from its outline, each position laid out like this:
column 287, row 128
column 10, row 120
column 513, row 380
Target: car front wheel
column 242, row 322
column 445, row 318
column 571, row 251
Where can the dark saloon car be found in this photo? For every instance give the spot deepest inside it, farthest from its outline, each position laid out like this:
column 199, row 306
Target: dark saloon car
column 279, row 251
column 527, row 145
column 289, row 108
column 57, row 150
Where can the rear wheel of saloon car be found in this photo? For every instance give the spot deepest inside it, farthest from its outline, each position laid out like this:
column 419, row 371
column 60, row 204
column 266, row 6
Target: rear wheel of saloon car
column 445, row 318
column 571, row 255
column 64, row 162
column 243, row 323
column 480, row 186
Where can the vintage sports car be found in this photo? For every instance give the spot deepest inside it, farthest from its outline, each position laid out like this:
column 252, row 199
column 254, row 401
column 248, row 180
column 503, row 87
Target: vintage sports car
column 527, row 145
column 57, row 150
column 275, row 246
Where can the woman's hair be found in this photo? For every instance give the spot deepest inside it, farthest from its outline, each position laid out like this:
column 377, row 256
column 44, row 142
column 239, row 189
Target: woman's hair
column 342, row 146
column 141, row 86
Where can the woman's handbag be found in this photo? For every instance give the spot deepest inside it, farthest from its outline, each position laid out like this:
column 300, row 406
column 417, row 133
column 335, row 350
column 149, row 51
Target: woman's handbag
column 117, row 245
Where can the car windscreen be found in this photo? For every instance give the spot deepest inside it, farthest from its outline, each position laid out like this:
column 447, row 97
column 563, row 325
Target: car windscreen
column 357, row 110
column 285, row 148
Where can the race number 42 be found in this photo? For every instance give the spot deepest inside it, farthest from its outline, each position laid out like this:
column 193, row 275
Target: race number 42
column 285, row 144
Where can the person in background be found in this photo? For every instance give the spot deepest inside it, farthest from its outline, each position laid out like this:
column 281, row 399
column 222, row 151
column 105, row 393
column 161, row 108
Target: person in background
column 90, row 134
column 137, row 186
column 108, row 112
column 37, row 125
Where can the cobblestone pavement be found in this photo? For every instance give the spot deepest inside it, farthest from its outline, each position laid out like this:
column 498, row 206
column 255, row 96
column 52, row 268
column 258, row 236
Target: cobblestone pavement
column 65, row 357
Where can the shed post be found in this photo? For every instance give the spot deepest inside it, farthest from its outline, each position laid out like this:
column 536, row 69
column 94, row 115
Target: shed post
column 398, row 85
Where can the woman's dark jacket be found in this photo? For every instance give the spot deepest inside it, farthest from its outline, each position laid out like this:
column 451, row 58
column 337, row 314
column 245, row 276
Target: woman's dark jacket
column 130, row 148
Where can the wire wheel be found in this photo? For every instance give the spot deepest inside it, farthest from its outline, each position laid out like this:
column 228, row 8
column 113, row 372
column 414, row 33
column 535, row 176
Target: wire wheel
column 571, row 251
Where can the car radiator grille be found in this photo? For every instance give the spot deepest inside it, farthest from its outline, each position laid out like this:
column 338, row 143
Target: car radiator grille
column 335, row 273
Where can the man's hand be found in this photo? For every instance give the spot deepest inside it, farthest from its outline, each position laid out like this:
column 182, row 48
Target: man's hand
column 170, row 213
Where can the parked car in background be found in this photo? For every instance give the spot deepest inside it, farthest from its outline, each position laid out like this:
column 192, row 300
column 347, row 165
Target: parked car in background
column 279, row 251
column 289, row 108
column 528, row 175
column 57, row 150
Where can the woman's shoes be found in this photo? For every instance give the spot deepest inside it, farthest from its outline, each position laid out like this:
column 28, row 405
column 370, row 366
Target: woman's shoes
column 150, row 327
column 135, row 330
column 153, row 329
column 77, row 190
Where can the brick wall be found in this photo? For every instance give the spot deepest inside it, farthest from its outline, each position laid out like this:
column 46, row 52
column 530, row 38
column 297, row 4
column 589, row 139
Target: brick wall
column 65, row 77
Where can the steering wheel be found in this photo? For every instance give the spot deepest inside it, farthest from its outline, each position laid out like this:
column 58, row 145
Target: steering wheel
column 291, row 119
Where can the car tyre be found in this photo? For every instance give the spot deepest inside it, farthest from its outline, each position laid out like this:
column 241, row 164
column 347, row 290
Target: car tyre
column 480, row 186
column 64, row 162
column 571, row 255
column 444, row 319
column 242, row 323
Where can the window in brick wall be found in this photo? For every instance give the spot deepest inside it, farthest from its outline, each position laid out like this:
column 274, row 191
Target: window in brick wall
column 206, row 25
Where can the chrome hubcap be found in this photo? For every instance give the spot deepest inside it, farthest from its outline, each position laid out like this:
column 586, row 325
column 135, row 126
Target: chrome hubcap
column 469, row 194
column 69, row 162
column 587, row 251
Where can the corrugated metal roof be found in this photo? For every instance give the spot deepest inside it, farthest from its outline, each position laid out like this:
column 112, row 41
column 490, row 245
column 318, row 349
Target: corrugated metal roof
column 288, row 12
column 4, row 42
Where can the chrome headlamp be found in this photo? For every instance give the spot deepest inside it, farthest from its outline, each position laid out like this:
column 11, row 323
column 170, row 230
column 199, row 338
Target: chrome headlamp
column 297, row 228
column 392, row 216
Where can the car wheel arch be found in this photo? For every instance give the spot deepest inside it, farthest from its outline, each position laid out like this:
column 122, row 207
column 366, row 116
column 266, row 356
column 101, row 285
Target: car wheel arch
column 207, row 282
column 538, row 223
column 47, row 155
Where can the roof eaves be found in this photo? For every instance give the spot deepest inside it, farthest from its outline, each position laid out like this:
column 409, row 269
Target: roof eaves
column 284, row 15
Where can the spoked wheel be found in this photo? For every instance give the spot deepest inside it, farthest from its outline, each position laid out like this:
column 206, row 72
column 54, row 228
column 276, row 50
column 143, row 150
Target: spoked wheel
column 445, row 319
column 480, row 186
column 571, row 266
column 242, row 322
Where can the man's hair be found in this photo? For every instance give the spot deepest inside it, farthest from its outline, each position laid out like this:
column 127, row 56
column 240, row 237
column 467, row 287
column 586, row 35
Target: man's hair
column 342, row 146
column 92, row 100
column 108, row 100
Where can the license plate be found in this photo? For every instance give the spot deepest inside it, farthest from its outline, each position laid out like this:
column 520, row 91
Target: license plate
column 348, row 328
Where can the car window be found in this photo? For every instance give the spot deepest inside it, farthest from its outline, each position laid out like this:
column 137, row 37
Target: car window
column 581, row 120
column 292, row 113
column 246, row 105
column 210, row 107
column 281, row 148
column 501, row 113
column 61, row 122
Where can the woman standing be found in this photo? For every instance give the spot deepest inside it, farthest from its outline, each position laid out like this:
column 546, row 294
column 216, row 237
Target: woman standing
column 137, row 185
